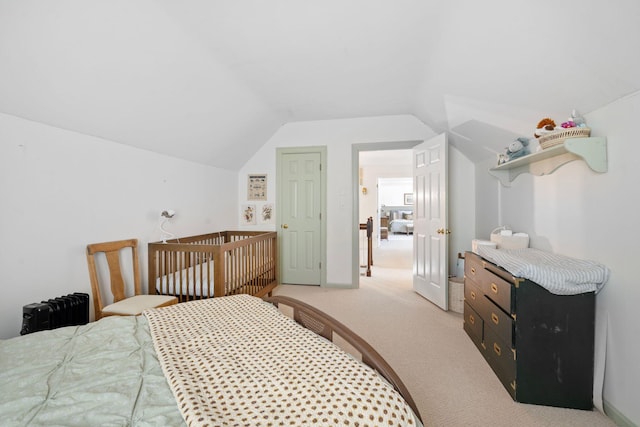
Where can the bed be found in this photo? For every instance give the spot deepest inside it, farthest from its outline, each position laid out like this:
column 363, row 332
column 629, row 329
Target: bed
column 401, row 221
column 214, row 265
column 234, row 360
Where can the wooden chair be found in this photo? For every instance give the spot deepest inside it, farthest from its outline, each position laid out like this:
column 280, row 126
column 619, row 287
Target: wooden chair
column 122, row 305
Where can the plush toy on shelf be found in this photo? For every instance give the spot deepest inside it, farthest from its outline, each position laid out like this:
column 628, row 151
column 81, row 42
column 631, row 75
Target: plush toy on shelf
column 575, row 121
column 544, row 127
column 518, row 148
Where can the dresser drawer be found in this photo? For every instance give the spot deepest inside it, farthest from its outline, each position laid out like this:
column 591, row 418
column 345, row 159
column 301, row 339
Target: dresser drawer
column 501, row 323
column 501, row 358
column 473, row 325
column 497, row 289
column 473, row 296
column 473, row 266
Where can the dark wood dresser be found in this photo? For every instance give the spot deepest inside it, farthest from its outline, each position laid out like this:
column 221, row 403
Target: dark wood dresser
column 540, row 345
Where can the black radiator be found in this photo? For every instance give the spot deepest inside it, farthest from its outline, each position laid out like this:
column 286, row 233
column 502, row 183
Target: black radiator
column 68, row 310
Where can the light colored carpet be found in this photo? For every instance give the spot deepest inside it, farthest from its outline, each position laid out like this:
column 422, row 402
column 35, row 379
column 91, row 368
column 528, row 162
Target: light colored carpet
column 446, row 375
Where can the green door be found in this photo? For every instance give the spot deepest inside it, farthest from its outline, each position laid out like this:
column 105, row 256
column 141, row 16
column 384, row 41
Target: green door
column 300, row 217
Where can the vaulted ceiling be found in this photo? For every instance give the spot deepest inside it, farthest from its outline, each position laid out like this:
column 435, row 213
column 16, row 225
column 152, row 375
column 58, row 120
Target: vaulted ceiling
column 211, row 81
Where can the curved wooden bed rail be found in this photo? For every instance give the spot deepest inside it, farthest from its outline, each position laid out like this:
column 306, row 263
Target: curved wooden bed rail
column 329, row 328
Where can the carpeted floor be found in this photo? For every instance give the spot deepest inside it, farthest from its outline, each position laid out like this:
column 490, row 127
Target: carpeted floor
column 446, row 375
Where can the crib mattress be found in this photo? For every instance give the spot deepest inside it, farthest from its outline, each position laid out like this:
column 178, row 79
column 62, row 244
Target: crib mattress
column 194, row 281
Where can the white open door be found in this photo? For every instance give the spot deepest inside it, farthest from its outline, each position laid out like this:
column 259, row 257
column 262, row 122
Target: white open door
column 430, row 247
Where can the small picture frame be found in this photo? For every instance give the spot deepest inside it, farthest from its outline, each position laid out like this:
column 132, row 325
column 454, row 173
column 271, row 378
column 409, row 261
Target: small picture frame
column 408, row 198
column 248, row 214
column 267, row 214
column 257, row 186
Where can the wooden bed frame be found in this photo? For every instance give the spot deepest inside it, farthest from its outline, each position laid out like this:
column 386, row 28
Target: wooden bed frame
column 243, row 262
column 334, row 331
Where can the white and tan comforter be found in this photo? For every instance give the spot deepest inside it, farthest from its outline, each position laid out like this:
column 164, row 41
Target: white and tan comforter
column 239, row 361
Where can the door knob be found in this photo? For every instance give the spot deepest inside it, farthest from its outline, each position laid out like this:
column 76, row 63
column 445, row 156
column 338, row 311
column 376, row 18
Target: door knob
column 285, row 225
column 443, row 231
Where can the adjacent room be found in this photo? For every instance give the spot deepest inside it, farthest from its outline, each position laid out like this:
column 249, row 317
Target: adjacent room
column 385, row 185
column 260, row 136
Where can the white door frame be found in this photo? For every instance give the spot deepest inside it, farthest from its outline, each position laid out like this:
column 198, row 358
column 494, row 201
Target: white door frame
column 355, row 194
column 323, row 203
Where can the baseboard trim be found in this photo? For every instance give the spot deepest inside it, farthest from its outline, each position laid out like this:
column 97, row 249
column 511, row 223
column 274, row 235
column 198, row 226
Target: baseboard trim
column 616, row 416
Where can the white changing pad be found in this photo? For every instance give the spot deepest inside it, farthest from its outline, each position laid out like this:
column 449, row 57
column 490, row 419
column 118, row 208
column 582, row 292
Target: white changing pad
column 559, row 274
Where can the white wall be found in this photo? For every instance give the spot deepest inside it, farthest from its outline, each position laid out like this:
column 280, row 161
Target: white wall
column 583, row 214
column 462, row 205
column 338, row 136
column 487, row 201
column 391, row 191
column 61, row 190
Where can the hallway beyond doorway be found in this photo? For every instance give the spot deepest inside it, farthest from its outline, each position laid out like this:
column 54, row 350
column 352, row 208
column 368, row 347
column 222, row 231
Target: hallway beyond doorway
column 392, row 263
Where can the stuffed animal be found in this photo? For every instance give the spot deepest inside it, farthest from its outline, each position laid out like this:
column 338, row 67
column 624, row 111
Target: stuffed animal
column 545, row 126
column 575, row 121
column 518, row 148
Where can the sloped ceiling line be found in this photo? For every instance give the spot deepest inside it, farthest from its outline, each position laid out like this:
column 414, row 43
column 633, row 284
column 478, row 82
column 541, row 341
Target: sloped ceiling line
column 212, row 81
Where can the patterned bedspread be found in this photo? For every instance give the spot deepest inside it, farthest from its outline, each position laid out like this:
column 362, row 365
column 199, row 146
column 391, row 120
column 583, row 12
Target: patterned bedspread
column 239, row 361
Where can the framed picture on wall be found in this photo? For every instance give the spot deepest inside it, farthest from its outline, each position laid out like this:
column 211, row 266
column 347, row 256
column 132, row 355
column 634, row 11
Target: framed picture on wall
column 267, row 215
column 408, row 198
column 257, row 187
column 248, row 214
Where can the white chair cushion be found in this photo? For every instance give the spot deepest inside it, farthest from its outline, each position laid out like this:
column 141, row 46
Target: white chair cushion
column 137, row 304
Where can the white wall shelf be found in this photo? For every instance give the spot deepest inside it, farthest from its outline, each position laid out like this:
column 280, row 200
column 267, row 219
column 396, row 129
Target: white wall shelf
column 593, row 150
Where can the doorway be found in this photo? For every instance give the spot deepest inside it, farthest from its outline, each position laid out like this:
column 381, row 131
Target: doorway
column 386, row 196
column 392, row 160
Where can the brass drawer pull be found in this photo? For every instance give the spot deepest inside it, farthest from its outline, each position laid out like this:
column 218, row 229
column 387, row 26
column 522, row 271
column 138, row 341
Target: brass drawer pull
column 472, row 319
column 497, row 349
column 494, row 317
column 473, row 270
column 473, row 295
column 494, row 288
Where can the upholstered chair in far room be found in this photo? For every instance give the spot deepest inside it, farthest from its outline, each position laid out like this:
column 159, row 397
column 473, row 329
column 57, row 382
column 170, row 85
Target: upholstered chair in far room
column 122, row 305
